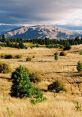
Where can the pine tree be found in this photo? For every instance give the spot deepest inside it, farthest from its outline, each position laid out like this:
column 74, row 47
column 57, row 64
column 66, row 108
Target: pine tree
column 21, row 85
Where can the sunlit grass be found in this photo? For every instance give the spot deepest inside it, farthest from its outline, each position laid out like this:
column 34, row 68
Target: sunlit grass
column 48, row 70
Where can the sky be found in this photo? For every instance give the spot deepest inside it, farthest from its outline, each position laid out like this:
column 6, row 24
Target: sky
column 24, row 12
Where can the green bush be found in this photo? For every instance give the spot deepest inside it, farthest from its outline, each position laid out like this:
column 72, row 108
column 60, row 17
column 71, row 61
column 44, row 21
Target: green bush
column 56, row 86
column 21, row 45
column 56, row 55
column 67, row 46
column 4, row 68
column 22, row 87
column 50, row 46
column 79, row 66
column 37, row 96
column 63, row 53
column 54, row 46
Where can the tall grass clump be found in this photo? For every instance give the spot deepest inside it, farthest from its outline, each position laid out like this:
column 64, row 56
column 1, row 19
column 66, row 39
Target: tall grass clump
column 4, row 68
column 78, row 106
column 79, row 66
column 56, row 56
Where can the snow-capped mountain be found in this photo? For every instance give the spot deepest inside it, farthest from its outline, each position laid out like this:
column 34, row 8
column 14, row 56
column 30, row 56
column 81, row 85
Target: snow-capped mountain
column 41, row 32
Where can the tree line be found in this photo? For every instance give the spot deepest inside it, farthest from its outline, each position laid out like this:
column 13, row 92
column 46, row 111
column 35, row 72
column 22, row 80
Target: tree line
column 19, row 42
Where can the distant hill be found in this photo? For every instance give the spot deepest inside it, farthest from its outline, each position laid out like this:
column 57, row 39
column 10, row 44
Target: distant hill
column 41, row 32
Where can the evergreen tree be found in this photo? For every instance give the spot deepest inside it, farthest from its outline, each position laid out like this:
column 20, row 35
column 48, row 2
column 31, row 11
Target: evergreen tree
column 21, row 85
column 67, row 46
column 21, row 45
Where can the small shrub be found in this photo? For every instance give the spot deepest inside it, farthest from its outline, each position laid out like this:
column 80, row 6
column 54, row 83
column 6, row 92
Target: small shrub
column 56, row 56
column 63, row 53
column 8, row 56
column 56, row 86
column 28, row 58
column 4, row 68
column 18, row 56
column 49, row 46
column 78, row 106
column 34, row 78
column 79, row 66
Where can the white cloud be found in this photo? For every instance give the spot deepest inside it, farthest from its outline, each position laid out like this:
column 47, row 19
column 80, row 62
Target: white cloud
column 41, row 11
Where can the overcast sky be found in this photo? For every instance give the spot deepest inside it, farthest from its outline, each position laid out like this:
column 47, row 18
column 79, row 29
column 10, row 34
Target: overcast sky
column 68, row 12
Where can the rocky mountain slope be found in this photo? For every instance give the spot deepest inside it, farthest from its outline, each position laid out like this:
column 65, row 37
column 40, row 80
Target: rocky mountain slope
column 41, row 32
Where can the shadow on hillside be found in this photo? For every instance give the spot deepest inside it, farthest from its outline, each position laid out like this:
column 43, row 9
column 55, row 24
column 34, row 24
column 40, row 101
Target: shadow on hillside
column 47, row 55
column 69, row 65
column 77, row 74
column 61, row 72
column 41, row 61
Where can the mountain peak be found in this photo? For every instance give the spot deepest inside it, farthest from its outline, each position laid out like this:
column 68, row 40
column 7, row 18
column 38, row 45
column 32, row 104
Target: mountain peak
column 41, row 32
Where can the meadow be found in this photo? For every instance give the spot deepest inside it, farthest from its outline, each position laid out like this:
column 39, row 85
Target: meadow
column 42, row 63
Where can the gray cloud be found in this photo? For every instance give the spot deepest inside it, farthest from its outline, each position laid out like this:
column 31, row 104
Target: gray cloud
column 39, row 11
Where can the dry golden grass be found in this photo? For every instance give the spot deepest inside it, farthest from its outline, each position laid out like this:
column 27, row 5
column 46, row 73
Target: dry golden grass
column 48, row 69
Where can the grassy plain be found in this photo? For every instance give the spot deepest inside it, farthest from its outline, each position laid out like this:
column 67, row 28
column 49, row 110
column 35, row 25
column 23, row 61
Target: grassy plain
column 64, row 104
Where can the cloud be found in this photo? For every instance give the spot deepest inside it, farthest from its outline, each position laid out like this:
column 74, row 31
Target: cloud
column 41, row 11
